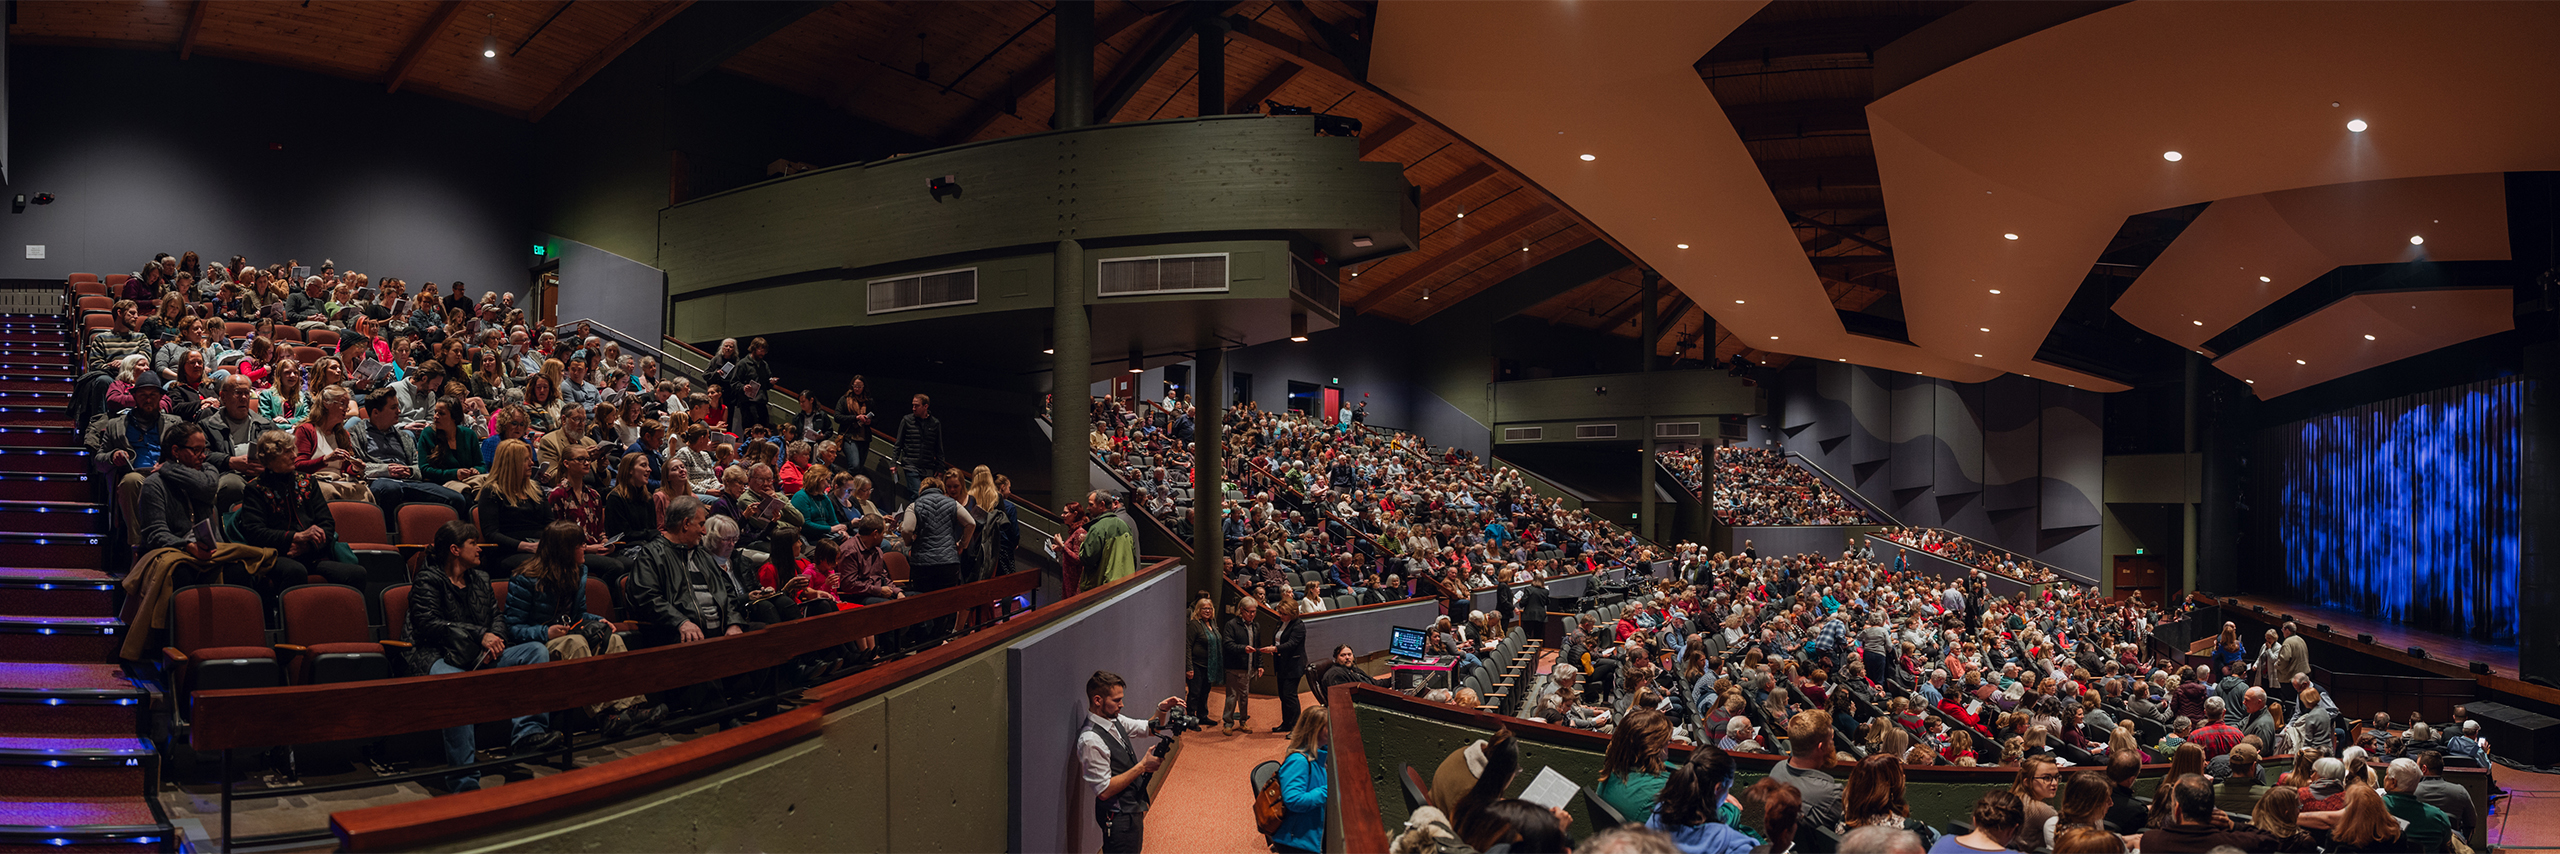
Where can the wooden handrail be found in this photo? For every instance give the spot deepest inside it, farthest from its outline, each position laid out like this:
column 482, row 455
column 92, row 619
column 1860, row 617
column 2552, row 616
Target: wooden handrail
column 264, row 717
column 413, row 823
column 1363, row 829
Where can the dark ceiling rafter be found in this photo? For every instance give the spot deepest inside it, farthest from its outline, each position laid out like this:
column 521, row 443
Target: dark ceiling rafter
column 585, row 70
column 1450, row 255
column 1377, row 138
column 1031, row 78
column 1254, row 95
column 1168, row 35
column 1459, row 183
column 1634, row 307
column 1669, row 318
column 1352, row 52
column 418, row 43
column 195, row 26
column 1846, row 232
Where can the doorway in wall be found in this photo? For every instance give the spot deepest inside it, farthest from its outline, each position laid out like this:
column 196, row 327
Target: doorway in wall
column 1332, row 403
column 1303, row 398
column 544, row 293
column 1240, row 389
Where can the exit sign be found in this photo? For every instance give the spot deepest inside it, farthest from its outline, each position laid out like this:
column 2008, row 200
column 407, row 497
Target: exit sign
column 540, row 250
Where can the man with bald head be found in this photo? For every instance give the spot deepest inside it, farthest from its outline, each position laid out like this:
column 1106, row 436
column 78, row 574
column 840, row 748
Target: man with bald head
column 234, row 424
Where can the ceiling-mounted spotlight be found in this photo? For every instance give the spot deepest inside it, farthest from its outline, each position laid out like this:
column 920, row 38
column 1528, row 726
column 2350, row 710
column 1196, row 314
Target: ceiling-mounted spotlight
column 1426, row 294
column 1137, row 362
column 1362, row 241
column 1297, row 326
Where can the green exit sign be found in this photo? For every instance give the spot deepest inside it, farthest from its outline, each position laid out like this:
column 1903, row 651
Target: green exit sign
column 2137, row 551
column 540, row 250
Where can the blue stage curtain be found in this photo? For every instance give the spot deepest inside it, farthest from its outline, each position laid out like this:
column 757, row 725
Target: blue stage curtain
column 2406, row 509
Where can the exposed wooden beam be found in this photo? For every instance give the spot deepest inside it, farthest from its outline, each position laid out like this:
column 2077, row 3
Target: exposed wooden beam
column 1295, row 51
column 1844, row 231
column 1251, row 100
column 1373, row 140
column 1850, row 260
column 1340, row 45
column 585, row 70
column 195, row 25
column 1671, row 317
column 1140, row 64
column 1459, row 183
column 1451, row 255
column 1630, row 310
column 418, row 43
column 1031, row 78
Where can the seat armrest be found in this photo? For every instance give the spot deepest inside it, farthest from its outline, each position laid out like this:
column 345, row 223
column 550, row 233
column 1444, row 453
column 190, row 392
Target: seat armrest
column 293, row 647
column 173, row 654
column 396, row 644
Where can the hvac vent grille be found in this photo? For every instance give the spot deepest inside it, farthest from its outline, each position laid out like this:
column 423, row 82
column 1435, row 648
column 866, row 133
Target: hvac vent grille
column 1676, row 430
column 924, row 290
column 1523, row 434
column 1164, row 274
column 1595, row 431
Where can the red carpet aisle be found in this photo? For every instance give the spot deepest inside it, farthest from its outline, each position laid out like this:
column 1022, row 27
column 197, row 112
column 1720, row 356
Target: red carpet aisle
column 1207, row 804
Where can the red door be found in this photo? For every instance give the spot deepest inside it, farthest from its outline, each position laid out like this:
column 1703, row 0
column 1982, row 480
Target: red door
column 1332, row 404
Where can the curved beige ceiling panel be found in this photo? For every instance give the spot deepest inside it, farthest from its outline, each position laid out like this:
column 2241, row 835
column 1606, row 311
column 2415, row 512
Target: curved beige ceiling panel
column 2210, row 278
column 2060, row 135
column 2333, row 342
column 1540, row 84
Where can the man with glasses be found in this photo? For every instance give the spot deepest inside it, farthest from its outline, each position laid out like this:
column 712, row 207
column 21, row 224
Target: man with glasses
column 175, row 509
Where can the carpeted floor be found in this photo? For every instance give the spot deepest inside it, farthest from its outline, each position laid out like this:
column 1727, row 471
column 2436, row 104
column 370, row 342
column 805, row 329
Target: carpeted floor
column 2529, row 818
column 1206, row 804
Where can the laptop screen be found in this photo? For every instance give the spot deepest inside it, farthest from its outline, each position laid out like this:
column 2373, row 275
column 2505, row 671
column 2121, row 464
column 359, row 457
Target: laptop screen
column 1407, row 642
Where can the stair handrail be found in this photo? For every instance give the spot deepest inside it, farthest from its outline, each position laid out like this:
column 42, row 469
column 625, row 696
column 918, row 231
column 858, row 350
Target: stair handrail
column 1836, row 483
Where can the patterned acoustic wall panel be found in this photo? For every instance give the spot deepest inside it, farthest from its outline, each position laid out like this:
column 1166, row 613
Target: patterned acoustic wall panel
column 2011, row 443
column 1914, row 415
column 2074, row 457
column 1958, row 416
column 1870, row 416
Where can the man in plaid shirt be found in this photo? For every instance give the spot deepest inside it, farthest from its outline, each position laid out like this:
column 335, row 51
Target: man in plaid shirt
column 1832, row 640
column 2218, row 737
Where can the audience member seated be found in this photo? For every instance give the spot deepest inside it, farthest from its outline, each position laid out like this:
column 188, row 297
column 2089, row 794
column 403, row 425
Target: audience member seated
column 454, row 627
column 284, row 511
column 1954, row 547
column 1757, row 487
column 547, row 604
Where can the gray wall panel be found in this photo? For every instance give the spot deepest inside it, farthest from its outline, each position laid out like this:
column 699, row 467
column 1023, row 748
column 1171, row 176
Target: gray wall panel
column 1137, row 634
column 1914, row 446
column 1870, row 422
column 1959, row 430
column 2011, row 443
column 2073, row 457
column 612, row 290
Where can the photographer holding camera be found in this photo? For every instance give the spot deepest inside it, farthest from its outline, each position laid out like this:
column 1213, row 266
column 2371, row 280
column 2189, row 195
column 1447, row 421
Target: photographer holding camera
column 1112, row 766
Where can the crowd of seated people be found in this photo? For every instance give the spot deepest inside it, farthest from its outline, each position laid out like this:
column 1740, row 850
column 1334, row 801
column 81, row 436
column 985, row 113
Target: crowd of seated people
column 250, row 414
column 1687, row 464
column 1956, row 547
column 1757, row 486
column 1378, row 515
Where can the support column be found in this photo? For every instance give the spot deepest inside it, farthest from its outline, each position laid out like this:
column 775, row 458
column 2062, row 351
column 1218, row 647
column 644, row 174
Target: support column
column 1209, row 468
column 2538, row 509
column 1075, row 66
column 1213, row 66
column 1647, row 332
column 1070, row 381
column 2187, row 509
column 1650, row 329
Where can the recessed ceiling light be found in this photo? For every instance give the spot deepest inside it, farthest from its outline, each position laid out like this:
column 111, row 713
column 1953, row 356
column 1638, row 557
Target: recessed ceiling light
column 2416, row 240
column 1737, row 302
column 2368, row 338
column 2300, row 362
column 2010, row 236
column 2172, row 156
column 1844, row 360
column 2199, row 323
column 1524, row 249
column 1588, row 158
column 489, row 54
column 1986, row 328
column 1297, row 338
column 2356, row 125
column 1462, row 214
column 1773, row 338
column 1683, row 245
column 2265, row 279
column 1995, row 291
column 1977, row 355
column 1137, row 370
column 2251, row 382
column 1051, row 351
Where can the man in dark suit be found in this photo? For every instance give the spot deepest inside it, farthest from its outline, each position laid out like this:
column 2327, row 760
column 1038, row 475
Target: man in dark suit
column 1289, row 661
column 1533, row 609
column 2127, row 814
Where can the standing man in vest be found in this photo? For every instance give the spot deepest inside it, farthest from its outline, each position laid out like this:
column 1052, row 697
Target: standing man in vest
column 1111, row 763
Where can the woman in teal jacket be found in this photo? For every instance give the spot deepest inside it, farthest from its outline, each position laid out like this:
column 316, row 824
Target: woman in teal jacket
column 1303, row 784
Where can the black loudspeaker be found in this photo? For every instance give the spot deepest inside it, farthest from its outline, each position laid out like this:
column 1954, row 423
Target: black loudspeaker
column 2524, row 736
column 2363, row 638
column 2479, row 667
column 2417, row 652
column 2230, row 603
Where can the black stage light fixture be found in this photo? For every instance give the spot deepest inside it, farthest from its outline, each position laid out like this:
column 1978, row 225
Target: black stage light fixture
column 947, row 185
column 2230, row 603
column 1327, row 124
column 44, row 198
column 2417, row 652
column 2363, row 638
column 2479, row 667
column 2323, row 627
column 2258, row 608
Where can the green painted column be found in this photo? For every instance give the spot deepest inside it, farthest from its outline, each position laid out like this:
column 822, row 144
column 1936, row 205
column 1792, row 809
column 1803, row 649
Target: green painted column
column 1074, row 89
column 1070, row 381
column 1647, row 333
column 1209, row 490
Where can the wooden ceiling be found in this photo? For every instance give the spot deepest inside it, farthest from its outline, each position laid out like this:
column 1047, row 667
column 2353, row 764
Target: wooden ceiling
column 1795, row 81
column 545, row 50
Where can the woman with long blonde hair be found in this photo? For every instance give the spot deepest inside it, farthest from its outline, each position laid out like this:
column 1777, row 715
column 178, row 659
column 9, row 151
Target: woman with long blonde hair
column 512, row 513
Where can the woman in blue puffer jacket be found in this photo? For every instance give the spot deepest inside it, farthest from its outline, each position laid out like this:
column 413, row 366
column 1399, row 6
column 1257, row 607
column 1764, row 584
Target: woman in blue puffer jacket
column 1303, row 784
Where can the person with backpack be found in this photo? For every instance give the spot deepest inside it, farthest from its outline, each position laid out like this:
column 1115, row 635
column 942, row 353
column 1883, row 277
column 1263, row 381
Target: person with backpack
column 1300, row 789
